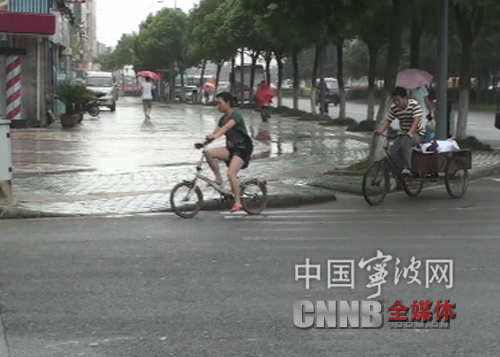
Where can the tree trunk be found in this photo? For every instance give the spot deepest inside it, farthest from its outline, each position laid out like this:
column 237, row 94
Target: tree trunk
column 268, row 59
column 242, row 77
column 391, row 70
column 464, row 85
column 296, row 84
column 204, row 65
column 217, row 77
column 318, row 50
column 416, row 35
column 279, row 60
column 255, row 56
column 232, row 80
column 183, row 90
column 373, row 52
column 172, row 81
column 340, row 78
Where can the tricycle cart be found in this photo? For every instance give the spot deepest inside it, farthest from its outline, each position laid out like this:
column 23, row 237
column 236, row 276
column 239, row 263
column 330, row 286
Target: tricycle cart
column 450, row 167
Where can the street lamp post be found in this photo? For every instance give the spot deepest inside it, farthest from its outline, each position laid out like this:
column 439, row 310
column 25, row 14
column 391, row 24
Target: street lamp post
column 442, row 95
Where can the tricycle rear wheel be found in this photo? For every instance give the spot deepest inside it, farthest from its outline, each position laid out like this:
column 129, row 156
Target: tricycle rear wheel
column 457, row 177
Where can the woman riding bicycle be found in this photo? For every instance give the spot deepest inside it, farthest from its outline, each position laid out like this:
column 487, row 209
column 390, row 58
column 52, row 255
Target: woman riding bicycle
column 238, row 148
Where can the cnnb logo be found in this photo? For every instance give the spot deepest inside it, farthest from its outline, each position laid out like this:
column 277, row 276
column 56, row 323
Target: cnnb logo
column 364, row 314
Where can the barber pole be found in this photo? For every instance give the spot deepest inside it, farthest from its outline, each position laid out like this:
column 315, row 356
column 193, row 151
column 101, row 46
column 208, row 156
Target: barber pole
column 13, row 78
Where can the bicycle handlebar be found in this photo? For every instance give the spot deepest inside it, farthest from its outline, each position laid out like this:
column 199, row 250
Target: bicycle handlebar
column 388, row 136
column 203, row 144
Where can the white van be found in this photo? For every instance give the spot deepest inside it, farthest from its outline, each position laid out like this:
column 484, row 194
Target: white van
column 102, row 82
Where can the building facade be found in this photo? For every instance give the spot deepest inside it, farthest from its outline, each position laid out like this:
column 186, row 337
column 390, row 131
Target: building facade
column 25, row 28
column 37, row 38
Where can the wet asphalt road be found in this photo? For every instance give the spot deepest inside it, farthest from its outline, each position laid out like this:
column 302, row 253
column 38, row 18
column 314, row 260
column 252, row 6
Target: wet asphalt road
column 221, row 285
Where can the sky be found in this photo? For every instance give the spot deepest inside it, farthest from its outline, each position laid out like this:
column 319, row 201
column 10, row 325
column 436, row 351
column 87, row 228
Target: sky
column 116, row 17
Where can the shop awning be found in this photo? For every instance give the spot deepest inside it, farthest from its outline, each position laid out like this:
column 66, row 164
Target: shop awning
column 27, row 23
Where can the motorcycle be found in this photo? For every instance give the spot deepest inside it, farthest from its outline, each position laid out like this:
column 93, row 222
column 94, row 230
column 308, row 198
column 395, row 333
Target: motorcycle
column 92, row 106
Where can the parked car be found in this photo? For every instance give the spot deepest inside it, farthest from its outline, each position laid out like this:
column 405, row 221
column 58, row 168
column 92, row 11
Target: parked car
column 332, row 95
column 102, row 82
column 189, row 90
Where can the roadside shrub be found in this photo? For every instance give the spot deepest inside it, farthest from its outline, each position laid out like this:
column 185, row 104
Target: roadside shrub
column 315, row 117
column 365, row 125
column 471, row 142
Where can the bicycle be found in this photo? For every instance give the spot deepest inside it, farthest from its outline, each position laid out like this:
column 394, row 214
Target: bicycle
column 186, row 198
column 450, row 167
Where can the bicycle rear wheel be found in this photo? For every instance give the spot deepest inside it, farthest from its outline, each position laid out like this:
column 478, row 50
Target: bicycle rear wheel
column 253, row 196
column 375, row 183
column 186, row 199
column 264, row 113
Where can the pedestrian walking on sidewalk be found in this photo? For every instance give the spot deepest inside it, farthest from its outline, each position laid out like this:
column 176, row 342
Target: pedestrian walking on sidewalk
column 147, row 97
column 239, row 146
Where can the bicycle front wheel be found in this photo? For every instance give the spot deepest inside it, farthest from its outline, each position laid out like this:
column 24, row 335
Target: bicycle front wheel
column 186, row 199
column 253, row 196
column 413, row 186
column 375, row 183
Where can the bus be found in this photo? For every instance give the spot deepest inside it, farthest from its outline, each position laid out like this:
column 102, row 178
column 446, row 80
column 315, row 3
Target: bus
column 260, row 75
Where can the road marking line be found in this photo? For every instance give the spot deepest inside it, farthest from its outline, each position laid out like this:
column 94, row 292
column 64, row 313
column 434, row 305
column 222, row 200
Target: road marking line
column 258, row 218
column 277, row 229
column 292, row 238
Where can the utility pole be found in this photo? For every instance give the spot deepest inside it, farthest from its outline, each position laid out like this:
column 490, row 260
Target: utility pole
column 442, row 92
column 322, row 86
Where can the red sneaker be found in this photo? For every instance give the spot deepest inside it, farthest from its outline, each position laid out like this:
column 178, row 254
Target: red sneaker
column 235, row 208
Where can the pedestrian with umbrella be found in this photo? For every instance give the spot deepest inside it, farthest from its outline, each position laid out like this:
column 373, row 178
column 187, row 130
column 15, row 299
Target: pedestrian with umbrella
column 147, row 92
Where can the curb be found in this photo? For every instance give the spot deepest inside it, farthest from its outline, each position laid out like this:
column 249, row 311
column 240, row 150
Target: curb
column 15, row 212
column 275, row 201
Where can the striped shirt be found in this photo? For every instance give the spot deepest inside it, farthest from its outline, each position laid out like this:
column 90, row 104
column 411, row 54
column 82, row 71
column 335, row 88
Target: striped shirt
column 405, row 117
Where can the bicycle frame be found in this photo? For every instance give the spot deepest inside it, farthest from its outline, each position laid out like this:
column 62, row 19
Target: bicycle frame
column 387, row 159
column 199, row 176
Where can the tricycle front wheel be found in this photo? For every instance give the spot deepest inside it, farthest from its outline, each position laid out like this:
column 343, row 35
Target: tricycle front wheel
column 375, row 183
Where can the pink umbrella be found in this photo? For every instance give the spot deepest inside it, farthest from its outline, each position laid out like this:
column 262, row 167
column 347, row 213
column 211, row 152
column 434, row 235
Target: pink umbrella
column 149, row 74
column 412, row 78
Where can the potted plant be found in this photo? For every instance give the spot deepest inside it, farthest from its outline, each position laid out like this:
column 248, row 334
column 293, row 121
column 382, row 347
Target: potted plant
column 74, row 97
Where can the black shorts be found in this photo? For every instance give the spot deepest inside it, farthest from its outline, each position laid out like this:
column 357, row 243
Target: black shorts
column 242, row 149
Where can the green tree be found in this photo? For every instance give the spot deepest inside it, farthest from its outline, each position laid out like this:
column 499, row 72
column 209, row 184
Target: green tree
column 107, row 61
column 470, row 19
column 397, row 26
column 161, row 43
column 375, row 34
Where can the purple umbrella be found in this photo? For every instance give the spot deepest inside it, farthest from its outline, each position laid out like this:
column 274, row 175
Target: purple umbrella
column 412, row 78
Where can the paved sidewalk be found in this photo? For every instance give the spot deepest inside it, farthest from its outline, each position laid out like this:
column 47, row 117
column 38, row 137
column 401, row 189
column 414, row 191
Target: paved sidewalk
column 119, row 165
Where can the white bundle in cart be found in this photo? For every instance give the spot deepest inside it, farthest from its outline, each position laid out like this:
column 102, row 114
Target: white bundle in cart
column 449, row 145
